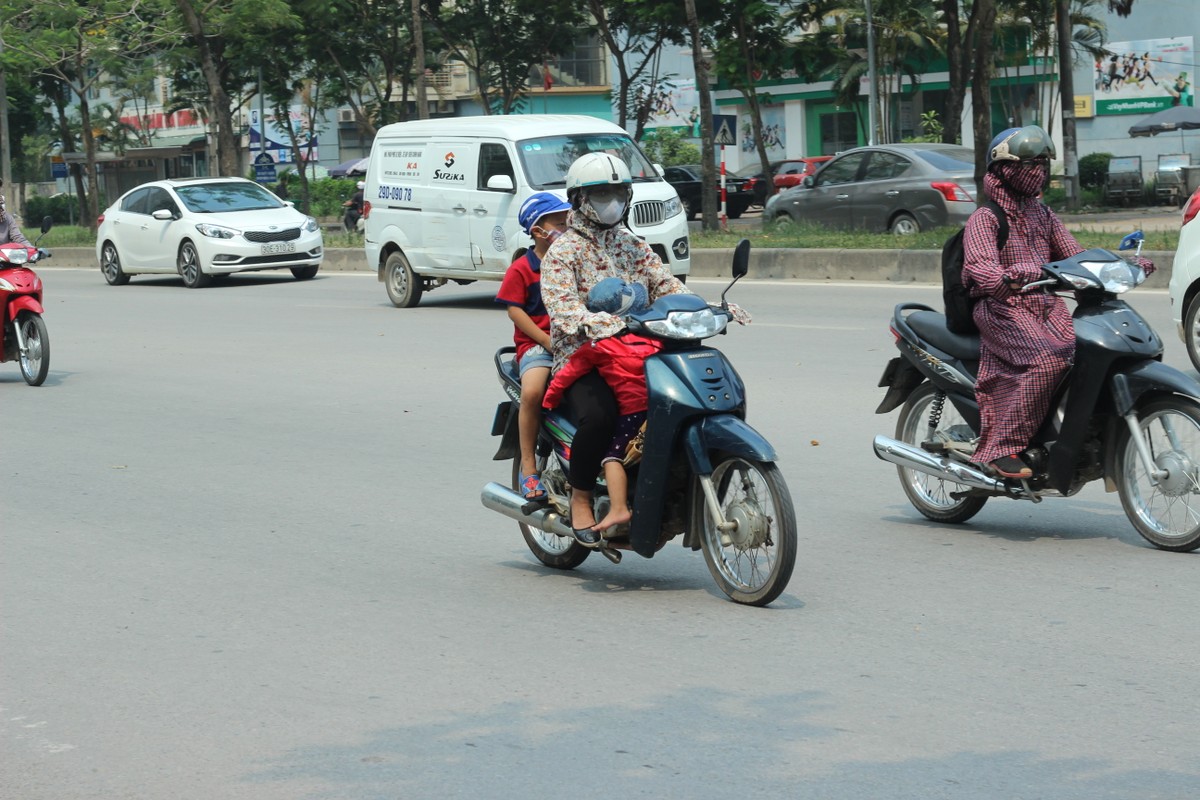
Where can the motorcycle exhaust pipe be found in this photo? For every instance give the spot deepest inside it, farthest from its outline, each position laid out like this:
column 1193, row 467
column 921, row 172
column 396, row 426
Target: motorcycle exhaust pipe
column 512, row 505
column 909, row 457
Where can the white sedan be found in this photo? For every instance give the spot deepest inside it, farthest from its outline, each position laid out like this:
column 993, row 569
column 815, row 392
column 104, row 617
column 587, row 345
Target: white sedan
column 1185, row 280
column 205, row 227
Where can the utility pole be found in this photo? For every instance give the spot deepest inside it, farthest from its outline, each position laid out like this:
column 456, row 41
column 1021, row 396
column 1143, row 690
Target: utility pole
column 873, row 91
column 419, row 59
column 708, row 197
column 1066, row 90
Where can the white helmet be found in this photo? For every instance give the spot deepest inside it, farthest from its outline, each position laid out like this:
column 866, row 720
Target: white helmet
column 362, row 184
column 597, row 169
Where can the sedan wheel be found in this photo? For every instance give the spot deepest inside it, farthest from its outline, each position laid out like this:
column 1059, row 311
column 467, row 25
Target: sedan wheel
column 110, row 266
column 189, row 267
column 905, row 225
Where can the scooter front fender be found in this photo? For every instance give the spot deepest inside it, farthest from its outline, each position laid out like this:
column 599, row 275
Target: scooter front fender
column 1130, row 384
column 727, row 434
column 24, row 302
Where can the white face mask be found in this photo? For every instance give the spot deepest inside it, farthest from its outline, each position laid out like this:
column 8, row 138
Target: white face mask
column 609, row 212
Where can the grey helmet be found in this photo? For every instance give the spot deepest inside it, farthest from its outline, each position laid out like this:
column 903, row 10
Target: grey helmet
column 1021, row 144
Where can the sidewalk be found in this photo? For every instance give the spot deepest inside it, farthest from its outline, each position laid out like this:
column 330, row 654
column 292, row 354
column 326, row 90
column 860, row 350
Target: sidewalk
column 1125, row 220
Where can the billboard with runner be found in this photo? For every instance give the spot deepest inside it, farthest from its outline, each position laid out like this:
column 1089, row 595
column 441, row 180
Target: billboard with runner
column 1144, row 76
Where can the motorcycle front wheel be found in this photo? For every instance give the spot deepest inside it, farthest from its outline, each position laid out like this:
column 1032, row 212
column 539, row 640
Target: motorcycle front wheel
column 35, row 361
column 553, row 551
column 1164, row 510
column 929, row 494
column 752, row 562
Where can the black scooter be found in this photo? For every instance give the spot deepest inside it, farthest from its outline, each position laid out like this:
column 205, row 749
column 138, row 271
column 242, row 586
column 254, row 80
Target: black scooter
column 1121, row 415
column 704, row 474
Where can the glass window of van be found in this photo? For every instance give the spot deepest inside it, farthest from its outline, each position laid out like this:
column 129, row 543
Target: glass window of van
column 494, row 160
column 545, row 161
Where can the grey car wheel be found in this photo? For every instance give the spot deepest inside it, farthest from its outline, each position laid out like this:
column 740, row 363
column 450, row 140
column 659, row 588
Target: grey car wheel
column 1191, row 331
column 905, row 225
column 188, row 264
column 110, row 266
column 404, row 287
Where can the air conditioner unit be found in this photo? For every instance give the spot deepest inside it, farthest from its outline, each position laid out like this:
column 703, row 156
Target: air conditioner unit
column 346, row 115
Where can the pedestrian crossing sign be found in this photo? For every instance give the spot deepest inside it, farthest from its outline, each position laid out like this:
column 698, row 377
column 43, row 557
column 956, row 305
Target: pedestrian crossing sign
column 723, row 126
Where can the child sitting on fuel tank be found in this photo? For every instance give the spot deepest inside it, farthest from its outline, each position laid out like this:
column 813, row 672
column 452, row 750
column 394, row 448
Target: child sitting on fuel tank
column 620, row 360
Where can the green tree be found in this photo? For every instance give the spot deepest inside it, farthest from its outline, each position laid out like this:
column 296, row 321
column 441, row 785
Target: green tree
column 501, row 41
column 74, row 44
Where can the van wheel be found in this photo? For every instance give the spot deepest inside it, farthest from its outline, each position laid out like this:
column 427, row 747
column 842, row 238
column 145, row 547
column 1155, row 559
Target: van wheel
column 403, row 287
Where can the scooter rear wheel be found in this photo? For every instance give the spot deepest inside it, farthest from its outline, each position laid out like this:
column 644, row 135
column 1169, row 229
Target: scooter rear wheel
column 552, row 550
column 929, row 494
column 753, row 562
column 35, row 362
column 1165, row 510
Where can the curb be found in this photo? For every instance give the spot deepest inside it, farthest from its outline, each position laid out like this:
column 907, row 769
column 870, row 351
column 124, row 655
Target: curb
column 872, row 266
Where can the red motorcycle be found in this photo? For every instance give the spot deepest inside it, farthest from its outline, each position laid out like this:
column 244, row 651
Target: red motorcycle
column 23, row 334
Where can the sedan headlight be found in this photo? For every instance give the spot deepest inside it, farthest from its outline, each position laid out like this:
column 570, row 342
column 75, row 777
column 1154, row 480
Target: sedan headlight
column 688, row 324
column 672, row 207
column 1115, row 276
column 215, row 231
column 311, row 224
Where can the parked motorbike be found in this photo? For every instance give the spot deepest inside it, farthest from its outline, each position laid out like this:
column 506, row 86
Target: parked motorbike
column 1120, row 416
column 23, row 335
column 705, row 474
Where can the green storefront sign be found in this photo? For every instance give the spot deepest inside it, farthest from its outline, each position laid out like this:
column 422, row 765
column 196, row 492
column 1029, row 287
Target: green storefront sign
column 1140, row 105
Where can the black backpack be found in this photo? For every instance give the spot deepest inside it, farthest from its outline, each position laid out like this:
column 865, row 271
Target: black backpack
column 957, row 298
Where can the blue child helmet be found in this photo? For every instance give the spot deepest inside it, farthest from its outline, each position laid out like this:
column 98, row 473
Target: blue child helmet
column 618, row 297
column 538, row 205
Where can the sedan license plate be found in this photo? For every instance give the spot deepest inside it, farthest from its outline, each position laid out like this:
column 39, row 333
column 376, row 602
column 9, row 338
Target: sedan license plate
column 278, row 247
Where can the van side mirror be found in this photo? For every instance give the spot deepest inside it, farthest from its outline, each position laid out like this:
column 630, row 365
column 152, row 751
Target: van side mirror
column 659, row 169
column 501, row 183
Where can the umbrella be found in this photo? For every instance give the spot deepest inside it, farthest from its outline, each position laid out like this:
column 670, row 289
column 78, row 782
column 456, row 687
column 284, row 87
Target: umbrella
column 1176, row 118
column 348, row 168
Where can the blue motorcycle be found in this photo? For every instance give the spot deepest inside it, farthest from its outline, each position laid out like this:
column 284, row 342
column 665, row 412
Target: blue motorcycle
column 705, row 475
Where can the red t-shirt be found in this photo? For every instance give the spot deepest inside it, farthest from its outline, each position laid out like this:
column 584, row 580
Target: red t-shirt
column 522, row 287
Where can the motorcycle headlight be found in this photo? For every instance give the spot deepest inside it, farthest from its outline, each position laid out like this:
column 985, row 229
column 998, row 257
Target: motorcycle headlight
column 16, row 255
column 311, row 224
column 688, row 324
column 1115, row 276
column 215, row 231
column 672, row 207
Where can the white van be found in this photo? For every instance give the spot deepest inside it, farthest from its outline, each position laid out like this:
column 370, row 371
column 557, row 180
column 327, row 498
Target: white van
column 442, row 195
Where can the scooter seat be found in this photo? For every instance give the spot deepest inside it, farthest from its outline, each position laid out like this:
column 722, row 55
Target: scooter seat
column 931, row 326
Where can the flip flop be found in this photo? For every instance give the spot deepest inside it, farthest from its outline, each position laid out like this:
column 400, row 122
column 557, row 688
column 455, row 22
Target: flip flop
column 531, row 484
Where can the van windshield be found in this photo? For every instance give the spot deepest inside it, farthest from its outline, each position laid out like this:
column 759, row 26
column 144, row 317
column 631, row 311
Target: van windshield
column 546, row 160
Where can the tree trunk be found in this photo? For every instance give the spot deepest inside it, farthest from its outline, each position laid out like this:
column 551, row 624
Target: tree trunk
column 419, row 59
column 952, row 111
column 984, row 13
column 228, row 153
column 708, row 197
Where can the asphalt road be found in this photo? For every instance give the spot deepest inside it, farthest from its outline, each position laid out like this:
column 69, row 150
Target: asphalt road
column 243, row 556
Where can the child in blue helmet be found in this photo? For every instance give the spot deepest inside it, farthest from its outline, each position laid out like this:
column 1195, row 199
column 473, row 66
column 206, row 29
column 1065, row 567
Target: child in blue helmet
column 543, row 216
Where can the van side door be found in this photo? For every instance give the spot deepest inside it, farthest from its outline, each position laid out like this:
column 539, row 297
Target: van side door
column 494, row 210
column 450, row 169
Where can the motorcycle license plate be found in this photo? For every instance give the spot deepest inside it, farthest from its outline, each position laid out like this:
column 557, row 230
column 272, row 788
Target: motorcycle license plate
column 278, row 247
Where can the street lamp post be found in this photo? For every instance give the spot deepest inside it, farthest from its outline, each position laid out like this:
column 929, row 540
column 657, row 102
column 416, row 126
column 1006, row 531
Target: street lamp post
column 873, row 89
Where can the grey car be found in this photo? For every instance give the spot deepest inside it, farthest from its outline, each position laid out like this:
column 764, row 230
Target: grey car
column 902, row 188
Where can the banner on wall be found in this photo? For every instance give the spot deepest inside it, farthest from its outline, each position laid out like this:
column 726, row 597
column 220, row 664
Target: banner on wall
column 1144, row 76
column 774, row 135
column 278, row 141
column 675, row 105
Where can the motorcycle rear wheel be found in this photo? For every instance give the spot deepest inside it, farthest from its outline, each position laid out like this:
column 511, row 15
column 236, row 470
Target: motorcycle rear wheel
column 554, row 551
column 1165, row 512
column 35, row 363
column 929, row 494
column 752, row 563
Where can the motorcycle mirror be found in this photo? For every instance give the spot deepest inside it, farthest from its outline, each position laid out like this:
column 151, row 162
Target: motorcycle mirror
column 1132, row 240
column 47, row 223
column 741, row 265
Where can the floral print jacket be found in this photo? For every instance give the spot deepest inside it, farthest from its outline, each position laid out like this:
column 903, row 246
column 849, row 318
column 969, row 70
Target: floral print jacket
column 579, row 259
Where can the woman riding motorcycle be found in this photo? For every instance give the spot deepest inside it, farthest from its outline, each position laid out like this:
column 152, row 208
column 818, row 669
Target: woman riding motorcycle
column 1027, row 340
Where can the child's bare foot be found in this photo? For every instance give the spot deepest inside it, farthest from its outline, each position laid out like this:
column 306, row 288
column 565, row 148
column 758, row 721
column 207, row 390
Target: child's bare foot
column 613, row 518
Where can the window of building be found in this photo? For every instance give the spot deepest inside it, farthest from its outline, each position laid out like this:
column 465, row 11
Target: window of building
column 586, row 64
